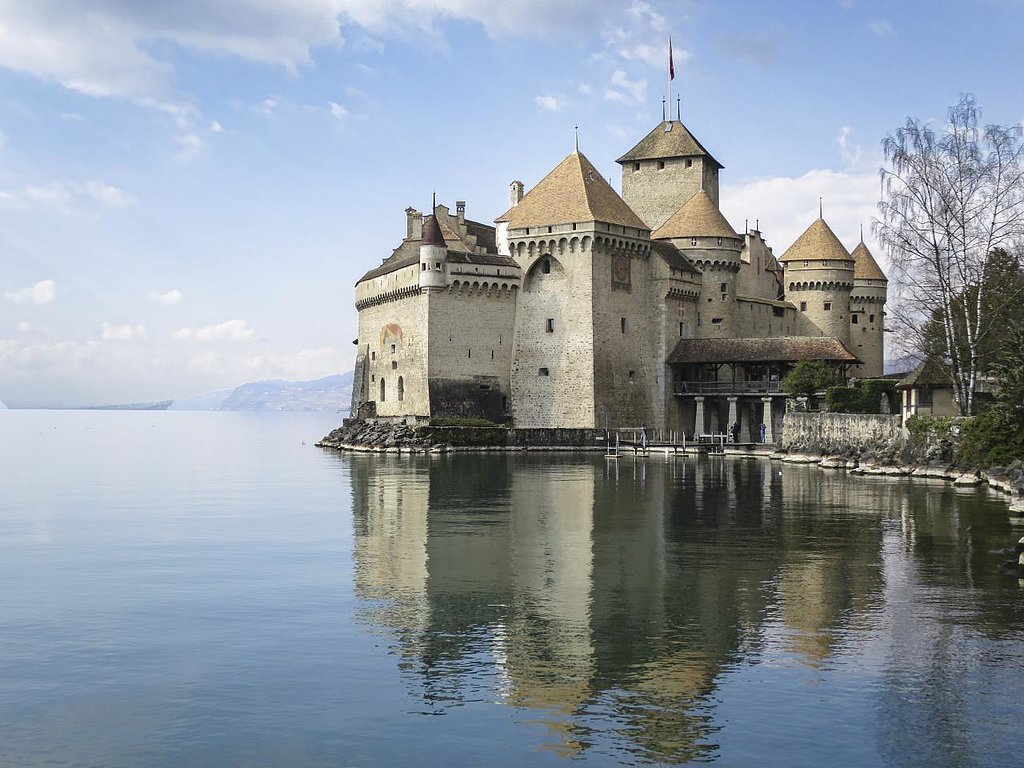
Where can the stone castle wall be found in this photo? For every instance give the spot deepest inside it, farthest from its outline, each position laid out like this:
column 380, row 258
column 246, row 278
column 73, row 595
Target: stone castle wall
column 394, row 341
column 656, row 193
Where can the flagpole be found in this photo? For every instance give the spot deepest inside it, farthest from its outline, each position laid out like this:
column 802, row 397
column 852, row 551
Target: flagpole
column 670, row 73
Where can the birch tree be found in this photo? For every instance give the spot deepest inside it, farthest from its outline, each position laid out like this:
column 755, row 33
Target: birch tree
column 950, row 198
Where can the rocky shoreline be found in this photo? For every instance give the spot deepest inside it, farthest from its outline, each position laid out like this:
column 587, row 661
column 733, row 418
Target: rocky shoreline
column 399, row 438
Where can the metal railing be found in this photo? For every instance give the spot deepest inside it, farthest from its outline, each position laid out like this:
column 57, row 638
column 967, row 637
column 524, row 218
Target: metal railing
column 726, row 387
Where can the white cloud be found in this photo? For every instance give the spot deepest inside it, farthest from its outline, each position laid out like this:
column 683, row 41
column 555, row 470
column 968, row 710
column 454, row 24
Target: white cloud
column 71, row 116
column 126, row 332
column 547, row 102
column 231, row 330
column 189, row 145
column 63, row 194
column 24, row 327
column 168, row 298
column 786, row 206
column 268, row 106
column 216, row 127
column 625, row 89
column 584, row 89
column 881, row 28
column 42, row 292
column 849, row 151
column 337, row 110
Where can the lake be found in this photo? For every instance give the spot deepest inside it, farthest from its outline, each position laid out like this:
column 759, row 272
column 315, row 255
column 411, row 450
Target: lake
column 211, row 589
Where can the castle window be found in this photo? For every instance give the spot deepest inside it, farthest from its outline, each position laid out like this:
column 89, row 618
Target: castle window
column 689, row 162
column 778, row 311
column 573, row 227
column 392, row 349
column 803, row 306
column 550, row 325
column 632, row 376
column 423, row 267
column 545, row 266
column 383, row 389
column 680, row 330
column 871, row 318
column 469, row 353
column 824, row 263
column 807, row 263
column 719, row 241
column 543, row 372
column 373, row 355
column 622, row 324
column 828, row 306
column 401, row 389
column 373, row 378
column 485, row 387
column 636, row 166
column 854, row 319
column 394, row 365
column 661, row 165
column 438, row 267
column 549, row 230
column 693, row 241
column 492, row 354
column 716, row 321
column 698, row 320
column 725, row 288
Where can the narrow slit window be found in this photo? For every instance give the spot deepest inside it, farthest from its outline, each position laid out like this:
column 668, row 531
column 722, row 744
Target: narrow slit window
column 543, row 372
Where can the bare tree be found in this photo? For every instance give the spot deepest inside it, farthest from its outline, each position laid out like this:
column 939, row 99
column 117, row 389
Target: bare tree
column 950, row 198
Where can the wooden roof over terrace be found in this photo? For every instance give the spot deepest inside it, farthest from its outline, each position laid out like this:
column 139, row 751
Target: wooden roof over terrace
column 783, row 349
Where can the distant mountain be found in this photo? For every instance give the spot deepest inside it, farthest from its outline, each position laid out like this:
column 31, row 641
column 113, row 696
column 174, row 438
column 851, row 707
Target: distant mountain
column 162, row 405
column 332, row 393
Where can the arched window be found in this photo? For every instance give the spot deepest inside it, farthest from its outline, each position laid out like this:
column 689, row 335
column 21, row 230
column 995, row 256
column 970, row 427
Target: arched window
column 382, row 389
column 401, row 389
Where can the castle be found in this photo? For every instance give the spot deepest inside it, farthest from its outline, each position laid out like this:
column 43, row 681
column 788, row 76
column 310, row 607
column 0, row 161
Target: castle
column 582, row 308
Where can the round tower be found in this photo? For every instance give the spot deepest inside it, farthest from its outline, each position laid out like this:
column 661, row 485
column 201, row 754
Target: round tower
column 703, row 234
column 819, row 279
column 867, row 313
column 433, row 256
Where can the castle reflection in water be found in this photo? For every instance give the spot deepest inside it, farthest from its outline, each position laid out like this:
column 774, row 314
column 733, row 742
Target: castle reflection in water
column 607, row 599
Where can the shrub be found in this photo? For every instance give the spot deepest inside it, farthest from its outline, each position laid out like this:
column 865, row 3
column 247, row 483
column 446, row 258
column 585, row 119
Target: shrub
column 925, row 425
column 992, row 438
column 843, row 399
column 871, row 392
column 808, row 377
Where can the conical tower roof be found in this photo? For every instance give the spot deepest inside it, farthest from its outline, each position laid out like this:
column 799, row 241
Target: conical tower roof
column 697, row 217
column 670, row 138
column 864, row 265
column 817, row 242
column 573, row 191
column 432, row 232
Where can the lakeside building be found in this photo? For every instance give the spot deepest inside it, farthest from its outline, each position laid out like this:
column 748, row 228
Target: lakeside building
column 582, row 308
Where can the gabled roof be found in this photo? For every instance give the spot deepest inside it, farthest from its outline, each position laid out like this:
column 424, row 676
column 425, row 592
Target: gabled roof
column 697, row 217
column 784, row 349
column 573, row 191
column 864, row 265
column 817, row 242
column 662, row 143
column 928, row 373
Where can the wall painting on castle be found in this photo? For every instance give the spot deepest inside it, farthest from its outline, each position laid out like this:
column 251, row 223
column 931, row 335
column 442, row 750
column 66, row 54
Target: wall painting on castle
column 390, row 333
column 621, row 273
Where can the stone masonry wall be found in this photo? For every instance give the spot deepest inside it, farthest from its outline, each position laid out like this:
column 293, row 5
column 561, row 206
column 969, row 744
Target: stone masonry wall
column 845, row 434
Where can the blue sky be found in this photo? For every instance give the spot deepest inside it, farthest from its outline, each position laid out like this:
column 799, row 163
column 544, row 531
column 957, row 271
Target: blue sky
column 189, row 190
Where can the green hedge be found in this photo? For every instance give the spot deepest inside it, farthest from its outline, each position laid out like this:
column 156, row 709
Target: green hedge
column 991, row 439
column 864, row 398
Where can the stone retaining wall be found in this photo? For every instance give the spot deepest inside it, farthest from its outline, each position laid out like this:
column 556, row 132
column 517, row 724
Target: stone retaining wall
column 843, row 434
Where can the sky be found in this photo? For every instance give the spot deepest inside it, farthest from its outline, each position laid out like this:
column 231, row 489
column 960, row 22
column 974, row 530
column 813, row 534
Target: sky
column 189, row 190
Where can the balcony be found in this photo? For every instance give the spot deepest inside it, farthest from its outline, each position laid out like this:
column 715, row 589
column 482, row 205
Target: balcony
column 727, row 388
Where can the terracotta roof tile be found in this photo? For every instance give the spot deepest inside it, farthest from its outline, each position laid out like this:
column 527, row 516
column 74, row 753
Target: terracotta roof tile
column 659, row 143
column 573, row 191
column 817, row 242
column 864, row 265
column 697, row 217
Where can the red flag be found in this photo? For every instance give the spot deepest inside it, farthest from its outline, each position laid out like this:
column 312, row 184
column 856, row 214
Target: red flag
column 671, row 66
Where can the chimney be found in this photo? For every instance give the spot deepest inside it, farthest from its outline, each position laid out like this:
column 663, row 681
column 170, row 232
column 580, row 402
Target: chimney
column 413, row 224
column 460, row 211
column 515, row 193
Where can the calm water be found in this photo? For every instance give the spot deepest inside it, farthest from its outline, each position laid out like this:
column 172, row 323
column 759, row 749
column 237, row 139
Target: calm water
column 208, row 589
